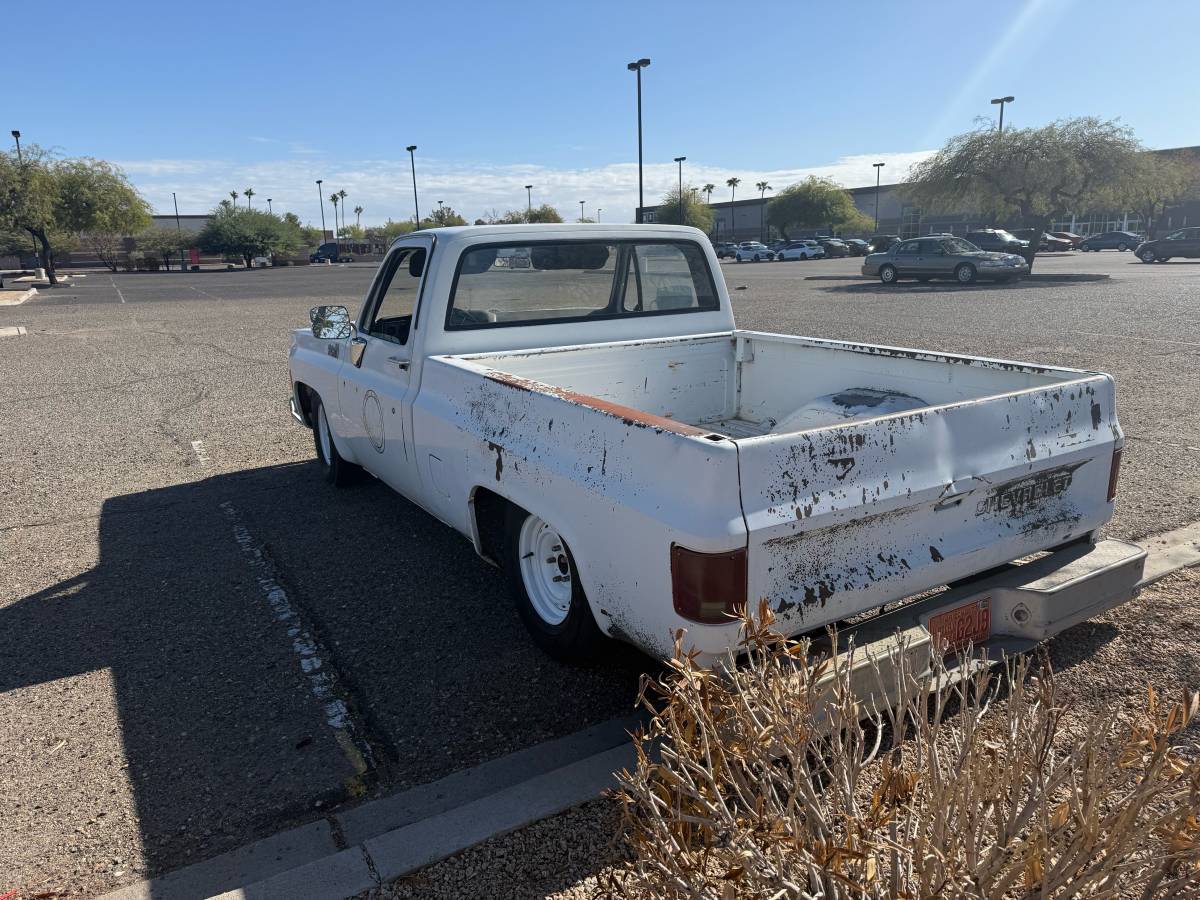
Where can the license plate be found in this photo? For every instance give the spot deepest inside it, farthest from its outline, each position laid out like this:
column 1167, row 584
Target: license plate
column 970, row 623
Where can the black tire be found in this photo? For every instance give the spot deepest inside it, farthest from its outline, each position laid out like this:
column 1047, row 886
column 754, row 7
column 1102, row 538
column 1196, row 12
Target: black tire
column 756, row 258
column 336, row 470
column 964, row 273
column 577, row 638
column 888, row 274
column 1148, row 256
column 1122, row 246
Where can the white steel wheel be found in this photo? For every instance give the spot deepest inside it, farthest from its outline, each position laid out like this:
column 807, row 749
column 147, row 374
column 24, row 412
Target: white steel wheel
column 545, row 570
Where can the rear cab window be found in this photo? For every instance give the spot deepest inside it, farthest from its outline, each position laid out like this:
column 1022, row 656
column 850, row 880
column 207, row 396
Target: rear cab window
column 542, row 282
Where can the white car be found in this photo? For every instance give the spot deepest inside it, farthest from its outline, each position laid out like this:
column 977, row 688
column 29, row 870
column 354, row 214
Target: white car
column 754, row 252
column 597, row 427
column 801, row 250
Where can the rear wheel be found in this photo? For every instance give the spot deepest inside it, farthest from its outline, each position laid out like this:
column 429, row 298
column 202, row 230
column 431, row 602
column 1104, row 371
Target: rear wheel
column 887, row 274
column 546, row 588
column 965, row 274
column 1122, row 246
column 337, row 471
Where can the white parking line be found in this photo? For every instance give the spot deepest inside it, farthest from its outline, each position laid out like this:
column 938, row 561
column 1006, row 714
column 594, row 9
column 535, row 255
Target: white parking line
column 201, row 453
column 204, row 293
column 115, row 288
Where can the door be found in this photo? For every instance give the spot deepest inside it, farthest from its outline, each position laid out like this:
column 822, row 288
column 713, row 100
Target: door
column 908, row 258
column 931, row 259
column 376, row 390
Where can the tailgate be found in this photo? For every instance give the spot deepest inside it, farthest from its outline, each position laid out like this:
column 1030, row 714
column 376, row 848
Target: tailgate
column 845, row 518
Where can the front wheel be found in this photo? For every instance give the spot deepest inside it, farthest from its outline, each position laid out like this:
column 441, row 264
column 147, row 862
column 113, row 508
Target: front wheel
column 965, row 274
column 545, row 586
column 1148, row 256
column 337, row 471
column 887, row 274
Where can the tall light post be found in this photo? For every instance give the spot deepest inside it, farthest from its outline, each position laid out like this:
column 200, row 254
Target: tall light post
column 412, row 157
column 1000, row 101
column 878, row 168
column 179, row 229
column 440, row 213
column 321, row 198
column 637, row 67
column 581, row 202
column 270, row 211
column 529, row 201
column 679, row 161
column 598, row 211
column 17, row 137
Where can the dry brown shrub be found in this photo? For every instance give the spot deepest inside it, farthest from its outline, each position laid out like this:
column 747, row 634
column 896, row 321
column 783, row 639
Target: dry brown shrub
column 772, row 779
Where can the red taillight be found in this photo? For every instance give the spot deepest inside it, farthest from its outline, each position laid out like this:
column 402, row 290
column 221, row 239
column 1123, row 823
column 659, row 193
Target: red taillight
column 1113, row 474
column 708, row 587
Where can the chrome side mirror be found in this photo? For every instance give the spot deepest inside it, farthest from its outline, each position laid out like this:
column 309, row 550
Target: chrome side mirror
column 330, row 323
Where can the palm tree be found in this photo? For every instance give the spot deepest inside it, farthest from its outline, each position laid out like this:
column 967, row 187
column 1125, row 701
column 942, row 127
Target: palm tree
column 732, row 183
column 249, row 192
column 334, row 198
column 763, row 187
column 358, row 216
column 708, row 189
column 233, row 195
column 342, row 196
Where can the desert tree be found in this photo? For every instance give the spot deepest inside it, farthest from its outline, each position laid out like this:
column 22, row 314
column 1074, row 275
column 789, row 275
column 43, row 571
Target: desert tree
column 815, row 203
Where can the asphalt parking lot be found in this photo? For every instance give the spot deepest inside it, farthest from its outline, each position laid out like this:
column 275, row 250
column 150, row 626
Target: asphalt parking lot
column 155, row 491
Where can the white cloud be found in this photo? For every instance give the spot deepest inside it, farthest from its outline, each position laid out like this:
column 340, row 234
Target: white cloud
column 384, row 187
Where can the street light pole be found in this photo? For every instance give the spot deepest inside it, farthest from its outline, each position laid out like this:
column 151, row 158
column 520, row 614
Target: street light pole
column 1000, row 101
column 270, row 211
column 529, row 201
column 17, row 137
column 411, row 148
column 637, row 67
column 679, row 160
column 599, row 210
column 321, row 197
column 878, row 168
column 179, row 228
column 440, row 221
column 581, row 202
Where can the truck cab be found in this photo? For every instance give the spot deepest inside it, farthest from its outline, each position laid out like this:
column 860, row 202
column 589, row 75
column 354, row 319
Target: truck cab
column 329, row 251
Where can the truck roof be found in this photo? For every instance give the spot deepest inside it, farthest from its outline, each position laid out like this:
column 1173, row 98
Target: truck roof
column 470, row 234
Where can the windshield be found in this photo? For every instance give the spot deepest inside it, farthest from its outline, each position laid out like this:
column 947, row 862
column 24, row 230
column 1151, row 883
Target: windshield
column 958, row 245
column 545, row 282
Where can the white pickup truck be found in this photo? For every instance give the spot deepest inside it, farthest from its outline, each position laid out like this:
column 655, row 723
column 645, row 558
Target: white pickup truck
column 577, row 401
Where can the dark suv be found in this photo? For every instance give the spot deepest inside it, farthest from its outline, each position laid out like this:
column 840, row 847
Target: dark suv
column 996, row 240
column 1184, row 242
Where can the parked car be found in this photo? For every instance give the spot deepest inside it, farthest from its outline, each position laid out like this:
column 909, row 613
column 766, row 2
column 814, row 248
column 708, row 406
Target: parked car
column 943, row 256
column 1111, row 240
column 1049, row 242
column 837, row 477
column 996, row 240
column 801, row 250
column 754, row 252
column 1075, row 239
column 881, row 242
column 1185, row 242
column 726, row 250
column 835, row 248
column 858, row 247
column 330, row 251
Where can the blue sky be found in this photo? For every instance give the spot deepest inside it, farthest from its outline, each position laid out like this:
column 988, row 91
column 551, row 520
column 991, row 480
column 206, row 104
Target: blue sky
column 203, row 99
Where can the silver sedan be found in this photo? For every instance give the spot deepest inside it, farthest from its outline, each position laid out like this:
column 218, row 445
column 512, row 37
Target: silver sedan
column 943, row 256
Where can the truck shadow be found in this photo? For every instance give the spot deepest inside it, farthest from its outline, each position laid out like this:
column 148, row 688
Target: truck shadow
column 226, row 737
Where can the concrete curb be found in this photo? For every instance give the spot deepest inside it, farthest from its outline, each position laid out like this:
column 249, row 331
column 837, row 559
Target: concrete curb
column 16, row 298
column 337, row 857
column 1037, row 276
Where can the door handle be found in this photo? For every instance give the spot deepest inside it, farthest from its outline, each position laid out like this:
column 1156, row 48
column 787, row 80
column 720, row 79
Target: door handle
column 401, row 364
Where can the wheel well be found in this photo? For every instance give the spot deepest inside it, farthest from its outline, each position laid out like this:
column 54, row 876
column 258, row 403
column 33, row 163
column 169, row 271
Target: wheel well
column 489, row 510
column 304, row 399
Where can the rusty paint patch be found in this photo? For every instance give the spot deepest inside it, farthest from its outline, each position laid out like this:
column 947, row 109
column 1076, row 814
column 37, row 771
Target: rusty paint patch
column 627, row 414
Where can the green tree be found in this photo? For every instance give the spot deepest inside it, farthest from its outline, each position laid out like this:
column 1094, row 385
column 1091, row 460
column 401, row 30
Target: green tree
column 247, row 233
column 392, row 230
column 352, row 233
column 708, row 189
column 442, row 217
column 163, row 244
column 1033, row 174
column 685, row 209
column 1157, row 181
column 249, row 192
column 815, row 203
column 233, row 195
column 55, row 201
column 358, row 211
column 762, row 188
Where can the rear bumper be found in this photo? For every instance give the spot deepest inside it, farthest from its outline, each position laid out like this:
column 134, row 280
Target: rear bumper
column 1029, row 604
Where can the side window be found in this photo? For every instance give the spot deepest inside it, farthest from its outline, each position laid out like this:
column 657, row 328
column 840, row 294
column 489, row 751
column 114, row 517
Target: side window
column 932, row 248
column 398, row 292
column 1179, row 236
column 909, row 248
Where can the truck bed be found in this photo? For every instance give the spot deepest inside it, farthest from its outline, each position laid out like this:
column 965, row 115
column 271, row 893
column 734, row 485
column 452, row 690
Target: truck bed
column 865, row 473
